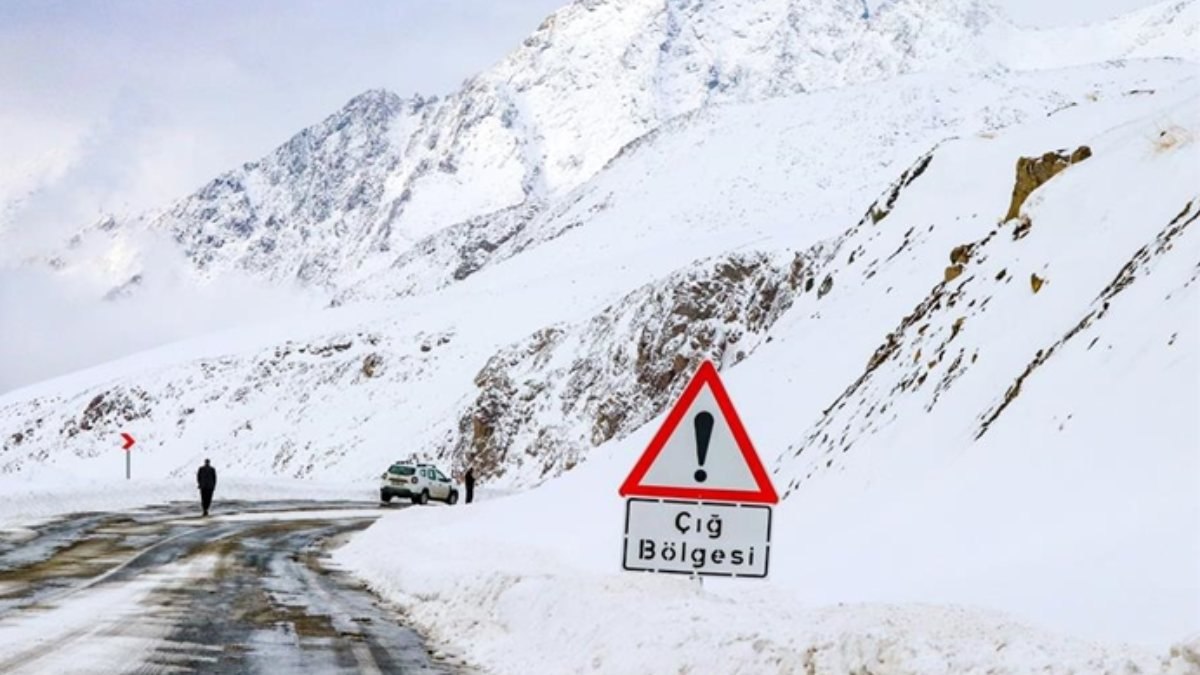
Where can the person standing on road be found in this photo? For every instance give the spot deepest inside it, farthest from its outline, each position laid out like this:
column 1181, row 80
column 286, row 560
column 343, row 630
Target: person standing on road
column 469, row 480
column 206, row 480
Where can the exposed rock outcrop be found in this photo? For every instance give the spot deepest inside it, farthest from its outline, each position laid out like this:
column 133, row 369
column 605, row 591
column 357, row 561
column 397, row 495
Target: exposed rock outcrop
column 1034, row 172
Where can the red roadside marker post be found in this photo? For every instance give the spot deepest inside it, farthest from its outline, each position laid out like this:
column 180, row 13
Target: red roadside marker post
column 126, row 446
column 699, row 499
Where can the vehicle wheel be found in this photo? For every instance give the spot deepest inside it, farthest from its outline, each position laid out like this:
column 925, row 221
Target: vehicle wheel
column 423, row 498
column 453, row 498
column 385, row 497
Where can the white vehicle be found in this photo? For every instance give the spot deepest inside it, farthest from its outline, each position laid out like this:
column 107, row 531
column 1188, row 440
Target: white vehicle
column 418, row 482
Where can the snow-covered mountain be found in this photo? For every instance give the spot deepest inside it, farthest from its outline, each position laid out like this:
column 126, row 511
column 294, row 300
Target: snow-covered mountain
column 947, row 266
column 574, row 331
column 974, row 410
column 365, row 189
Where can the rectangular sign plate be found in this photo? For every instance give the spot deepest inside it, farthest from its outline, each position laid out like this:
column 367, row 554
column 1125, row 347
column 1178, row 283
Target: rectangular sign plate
column 698, row 538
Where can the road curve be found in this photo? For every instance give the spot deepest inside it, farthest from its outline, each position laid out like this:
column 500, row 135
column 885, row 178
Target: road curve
column 160, row 590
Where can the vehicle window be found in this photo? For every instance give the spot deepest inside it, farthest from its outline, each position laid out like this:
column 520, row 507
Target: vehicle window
column 400, row 470
column 441, row 476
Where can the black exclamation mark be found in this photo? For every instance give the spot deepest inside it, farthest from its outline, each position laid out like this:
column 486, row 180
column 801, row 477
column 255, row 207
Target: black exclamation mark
column 704, row 424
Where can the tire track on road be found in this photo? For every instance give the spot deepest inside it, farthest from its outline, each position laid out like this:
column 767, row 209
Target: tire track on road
column 247, row 594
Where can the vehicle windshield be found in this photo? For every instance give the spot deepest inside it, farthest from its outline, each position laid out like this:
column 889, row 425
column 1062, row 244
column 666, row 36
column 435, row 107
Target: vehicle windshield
column 401, row 470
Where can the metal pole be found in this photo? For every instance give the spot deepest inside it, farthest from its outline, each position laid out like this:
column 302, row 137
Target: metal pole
column 127, row 453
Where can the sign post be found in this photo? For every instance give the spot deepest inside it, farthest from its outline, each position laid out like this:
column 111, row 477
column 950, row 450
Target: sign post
column 126, row 446
column 699, row 499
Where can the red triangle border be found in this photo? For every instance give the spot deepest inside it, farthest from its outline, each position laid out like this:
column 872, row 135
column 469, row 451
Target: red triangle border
column 706, row 375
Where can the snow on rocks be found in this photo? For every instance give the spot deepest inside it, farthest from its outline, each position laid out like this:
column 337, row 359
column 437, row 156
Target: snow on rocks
column 568, row 388
column 227, row 408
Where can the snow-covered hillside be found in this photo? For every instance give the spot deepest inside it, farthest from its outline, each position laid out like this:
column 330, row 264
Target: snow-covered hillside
column 595, row 330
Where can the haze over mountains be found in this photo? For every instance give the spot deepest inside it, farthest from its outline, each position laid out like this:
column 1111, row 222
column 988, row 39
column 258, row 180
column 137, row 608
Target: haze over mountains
column 522, row 275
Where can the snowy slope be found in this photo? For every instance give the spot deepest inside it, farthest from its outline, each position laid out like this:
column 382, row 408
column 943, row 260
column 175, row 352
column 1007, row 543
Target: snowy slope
column 796, row 167
column 295, row 399
column 1038, row 457
column 348, row 196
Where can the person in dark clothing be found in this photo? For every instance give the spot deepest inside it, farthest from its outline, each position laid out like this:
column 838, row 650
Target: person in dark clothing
column 469, row 480
column 206, row 480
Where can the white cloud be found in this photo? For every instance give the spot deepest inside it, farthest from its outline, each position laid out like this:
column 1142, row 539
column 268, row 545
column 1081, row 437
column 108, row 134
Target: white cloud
column 57, row 322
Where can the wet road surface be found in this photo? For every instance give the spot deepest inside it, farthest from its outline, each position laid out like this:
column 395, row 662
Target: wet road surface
column 160, row 590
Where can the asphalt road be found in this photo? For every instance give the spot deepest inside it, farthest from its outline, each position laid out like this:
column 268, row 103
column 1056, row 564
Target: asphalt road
column 161, row 590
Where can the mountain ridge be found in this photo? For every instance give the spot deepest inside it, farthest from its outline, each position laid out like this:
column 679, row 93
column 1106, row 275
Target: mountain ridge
column 344, row 199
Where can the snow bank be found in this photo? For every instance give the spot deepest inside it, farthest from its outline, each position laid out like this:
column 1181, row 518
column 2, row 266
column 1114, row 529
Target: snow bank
column 509, row 591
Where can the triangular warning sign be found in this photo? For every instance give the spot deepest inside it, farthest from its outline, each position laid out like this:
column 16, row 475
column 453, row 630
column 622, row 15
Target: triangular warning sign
column 702, row 451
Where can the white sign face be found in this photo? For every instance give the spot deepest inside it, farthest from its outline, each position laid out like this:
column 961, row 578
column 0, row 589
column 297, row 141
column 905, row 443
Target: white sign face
column 703, row 538
column 704, row 434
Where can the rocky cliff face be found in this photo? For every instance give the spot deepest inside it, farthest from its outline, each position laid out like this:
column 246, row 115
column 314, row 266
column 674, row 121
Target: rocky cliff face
column 544, row 402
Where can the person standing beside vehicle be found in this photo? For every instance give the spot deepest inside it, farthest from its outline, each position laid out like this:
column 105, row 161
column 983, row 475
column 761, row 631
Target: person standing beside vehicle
column 206, row 480
column 469, row 481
